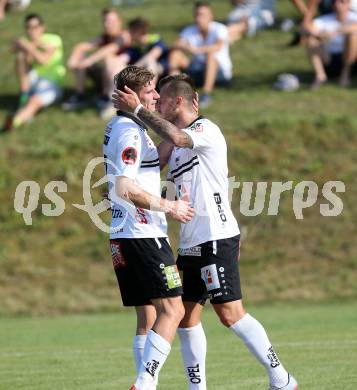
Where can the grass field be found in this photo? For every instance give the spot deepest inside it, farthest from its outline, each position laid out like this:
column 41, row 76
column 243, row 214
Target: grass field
column 62, row 264
column 318, row 343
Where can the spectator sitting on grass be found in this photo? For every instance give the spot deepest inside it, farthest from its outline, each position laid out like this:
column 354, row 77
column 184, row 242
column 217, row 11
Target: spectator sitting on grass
column 146, row 49
column 309, row 8
column 332, row 44
column 249, row 16
column 208, row 43
column 40, row 69
column 85, row 57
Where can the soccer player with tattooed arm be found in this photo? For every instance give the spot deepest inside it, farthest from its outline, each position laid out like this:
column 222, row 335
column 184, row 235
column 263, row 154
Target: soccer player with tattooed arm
column 209, row 242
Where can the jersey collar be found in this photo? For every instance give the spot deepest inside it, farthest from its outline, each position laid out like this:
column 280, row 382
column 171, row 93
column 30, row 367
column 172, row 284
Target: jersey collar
column 197, row 119
column 133, row 118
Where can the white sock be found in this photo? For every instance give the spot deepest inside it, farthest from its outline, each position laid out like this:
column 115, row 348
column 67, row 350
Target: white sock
column 155, row 354
column 255, row 338
column 138, row 350
column 193, row 350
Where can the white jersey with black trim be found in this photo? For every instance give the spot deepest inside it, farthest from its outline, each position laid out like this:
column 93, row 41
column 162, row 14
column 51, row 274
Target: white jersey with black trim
column 130, row 152
column 200, row 175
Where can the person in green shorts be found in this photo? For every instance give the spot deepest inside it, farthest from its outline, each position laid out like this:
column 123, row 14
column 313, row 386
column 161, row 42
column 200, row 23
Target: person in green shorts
column 40, row 70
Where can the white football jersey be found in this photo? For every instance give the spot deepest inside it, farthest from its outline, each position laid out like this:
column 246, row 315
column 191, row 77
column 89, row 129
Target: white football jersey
column 130, row 152
column 201, row 177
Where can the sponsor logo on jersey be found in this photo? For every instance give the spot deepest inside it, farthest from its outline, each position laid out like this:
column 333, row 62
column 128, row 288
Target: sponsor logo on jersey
column 183, row 192
column 274, row 361
column 218, row 200
column 194, row 374
column 140, row 216
column 210, row 277
column 117, row 256
column 193, row 251
column 129, row 155
column 117, row 213
column 172, row 276
column 152, row 366
column 197, row 127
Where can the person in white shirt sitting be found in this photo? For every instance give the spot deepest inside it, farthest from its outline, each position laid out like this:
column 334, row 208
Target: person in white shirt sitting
column 332, row 44
column 207, row 42
column 249, row 16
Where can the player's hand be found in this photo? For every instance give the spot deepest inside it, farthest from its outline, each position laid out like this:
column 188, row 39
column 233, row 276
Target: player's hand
column 181, row 211
column 125, row 101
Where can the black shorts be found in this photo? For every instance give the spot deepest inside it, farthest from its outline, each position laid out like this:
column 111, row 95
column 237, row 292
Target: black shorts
column 145, row 269
column 210, row 270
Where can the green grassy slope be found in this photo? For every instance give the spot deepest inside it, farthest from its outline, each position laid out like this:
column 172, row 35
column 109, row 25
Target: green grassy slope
column 63, row 263
column 317, row 343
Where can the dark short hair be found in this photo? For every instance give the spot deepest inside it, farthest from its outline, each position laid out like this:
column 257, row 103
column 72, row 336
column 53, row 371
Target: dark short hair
column 134, row 77
column 199, row 4
column 139, row 24
column 29, row 17
column 106, row 11
column 179, row 85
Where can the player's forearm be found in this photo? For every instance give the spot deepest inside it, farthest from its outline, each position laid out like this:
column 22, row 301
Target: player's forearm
column 129, row 191
column 165, row 129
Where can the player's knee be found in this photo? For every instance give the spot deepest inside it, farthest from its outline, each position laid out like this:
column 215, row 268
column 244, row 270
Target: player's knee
column 229, row 317
column 175, row 310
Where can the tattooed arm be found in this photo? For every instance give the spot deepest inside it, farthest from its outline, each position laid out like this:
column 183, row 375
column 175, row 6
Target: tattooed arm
column 129, row 101
column 165, row 129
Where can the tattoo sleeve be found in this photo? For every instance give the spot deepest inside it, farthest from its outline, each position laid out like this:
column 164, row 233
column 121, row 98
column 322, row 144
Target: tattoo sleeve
column 165, row 129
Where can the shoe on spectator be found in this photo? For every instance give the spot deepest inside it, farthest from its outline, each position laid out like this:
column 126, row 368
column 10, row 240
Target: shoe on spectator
column 291, row 385
column 107, row 111
column 75, row 102
column 205, row 100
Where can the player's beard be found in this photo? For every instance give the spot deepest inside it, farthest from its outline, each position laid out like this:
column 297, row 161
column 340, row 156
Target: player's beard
column 172, row 117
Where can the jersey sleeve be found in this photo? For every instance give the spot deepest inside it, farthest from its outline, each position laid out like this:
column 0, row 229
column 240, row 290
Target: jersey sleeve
column 202, row 136
column 128, row 153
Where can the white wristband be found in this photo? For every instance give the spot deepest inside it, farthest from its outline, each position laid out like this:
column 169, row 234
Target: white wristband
column 137, row 109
